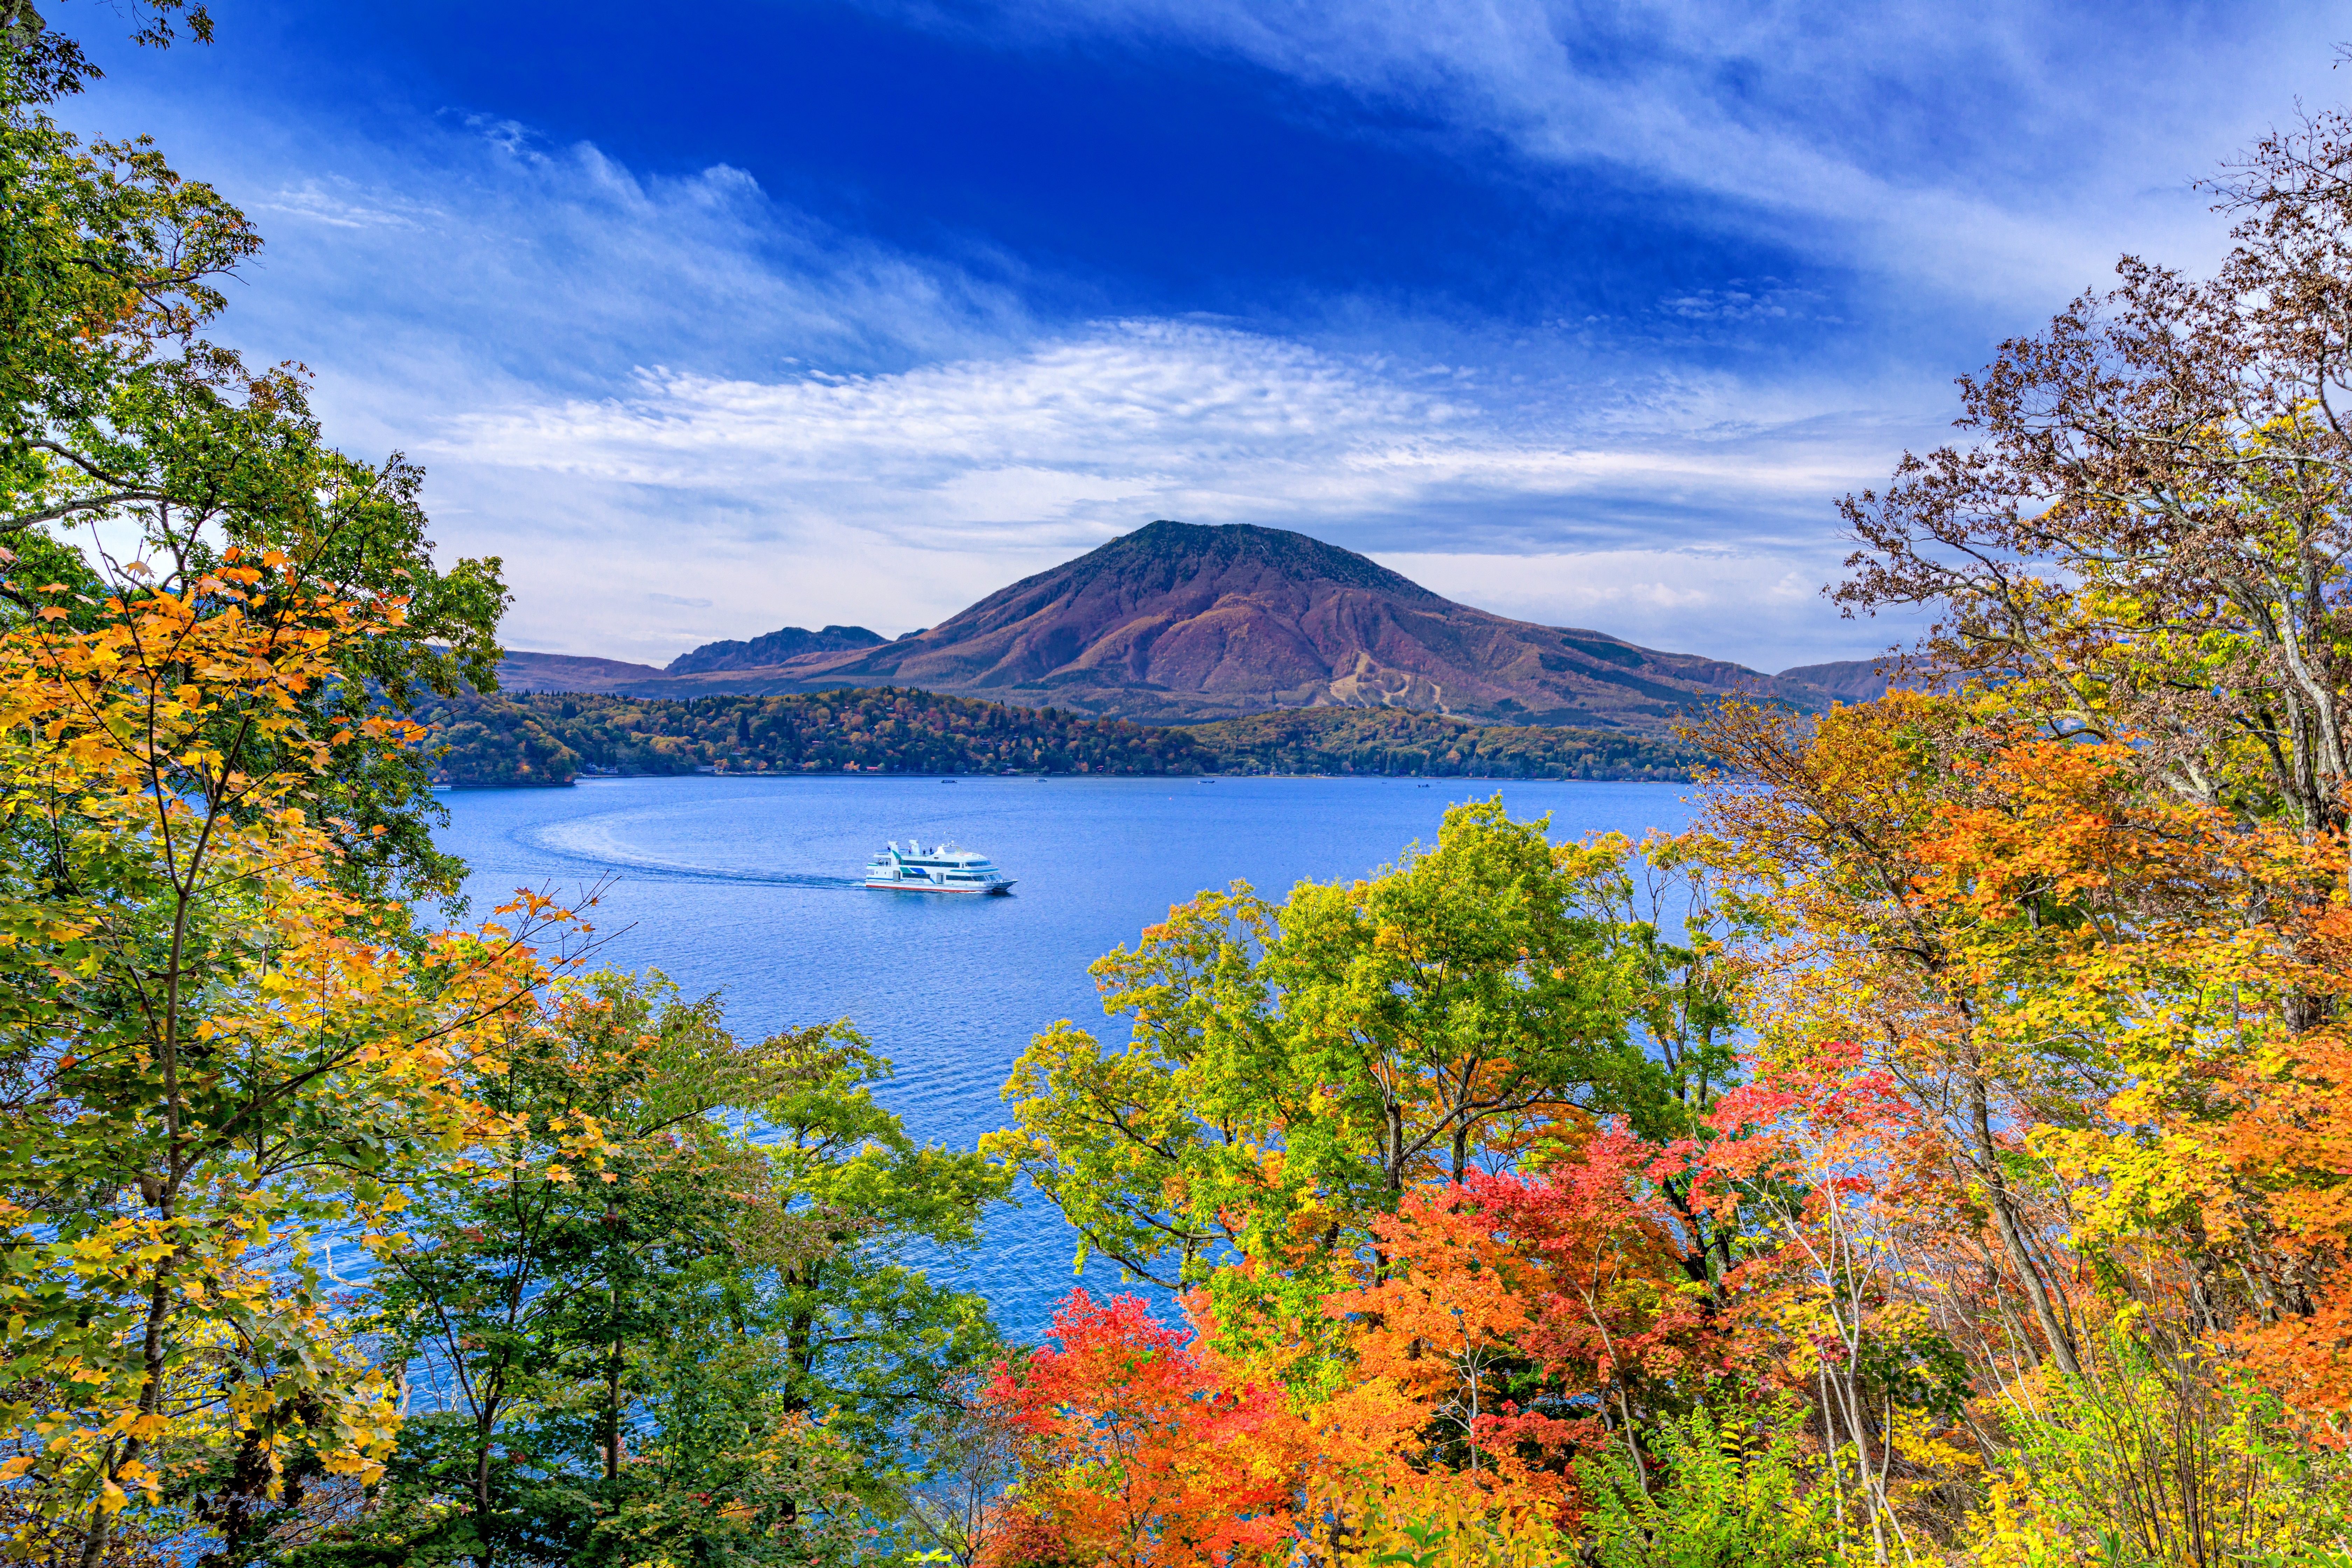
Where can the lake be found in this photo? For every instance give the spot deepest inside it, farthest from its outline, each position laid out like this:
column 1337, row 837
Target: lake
column 751, row 887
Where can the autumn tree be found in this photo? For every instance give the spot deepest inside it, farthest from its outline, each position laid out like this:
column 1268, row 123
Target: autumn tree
column 1835, row 825
column 118, row 417
column 221, row 1039
column 1293, row 1071
column 214, row 1042
column 2146, row 540
column 1139, row 1452
column 2014, row 1006
column 1532, row 1315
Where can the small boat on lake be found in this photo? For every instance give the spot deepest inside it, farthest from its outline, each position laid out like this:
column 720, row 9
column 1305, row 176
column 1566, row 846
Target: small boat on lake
column 943, row 869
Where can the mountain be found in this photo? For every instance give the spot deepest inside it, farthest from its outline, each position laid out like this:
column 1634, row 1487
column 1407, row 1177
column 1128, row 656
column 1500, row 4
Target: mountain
column 773, row 648
column 1179, row 623
column 716, row 664
column 1846, row 680
column 520, row 671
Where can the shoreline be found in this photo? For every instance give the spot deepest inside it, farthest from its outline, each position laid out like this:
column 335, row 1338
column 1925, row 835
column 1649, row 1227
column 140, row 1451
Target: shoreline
column 1119, row 778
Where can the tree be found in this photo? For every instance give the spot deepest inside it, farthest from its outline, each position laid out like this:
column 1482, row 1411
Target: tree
column 2016, row 1010
column 1534, row 1317
column 1293, row 1070
column 218, row 1038
column 1836, row 826
column 955, row 1510
column 211, row 1044
column 1138, row 1453
column 1728, row 1490
column 2147, row 541
column 871, row 1341
column 527, row 1279
column 621, row 1265
column 116, row 414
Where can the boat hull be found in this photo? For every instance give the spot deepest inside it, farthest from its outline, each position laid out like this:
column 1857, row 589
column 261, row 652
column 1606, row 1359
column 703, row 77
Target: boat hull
column 914, row 886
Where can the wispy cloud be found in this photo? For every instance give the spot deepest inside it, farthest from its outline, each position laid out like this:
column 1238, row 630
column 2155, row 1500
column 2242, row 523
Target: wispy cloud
column 1088, row 428
column 681, row 386
column 1757, row 605
column 341, row 204
column 467, row 260
column 1037, row 456
column 1998, row 151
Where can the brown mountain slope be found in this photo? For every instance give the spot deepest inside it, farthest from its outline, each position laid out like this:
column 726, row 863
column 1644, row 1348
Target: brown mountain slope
column 762, row 652
column 1178, row 623
column 521, row 671
column 1847, row 679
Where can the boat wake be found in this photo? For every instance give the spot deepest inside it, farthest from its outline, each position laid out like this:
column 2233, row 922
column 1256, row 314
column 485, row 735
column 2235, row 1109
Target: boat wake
column 594, row 842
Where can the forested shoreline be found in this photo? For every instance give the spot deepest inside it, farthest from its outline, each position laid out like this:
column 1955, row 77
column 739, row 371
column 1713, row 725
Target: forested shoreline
column 526, row 739
column 1941, row 1153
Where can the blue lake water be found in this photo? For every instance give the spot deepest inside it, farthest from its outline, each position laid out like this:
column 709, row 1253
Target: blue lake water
column 749, row 886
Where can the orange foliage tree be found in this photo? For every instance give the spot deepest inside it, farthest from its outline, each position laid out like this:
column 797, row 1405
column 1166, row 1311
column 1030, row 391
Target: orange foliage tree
column 1139, row 1451
column 1527, row 1317
column 215, row 1045
column 2035, row 1075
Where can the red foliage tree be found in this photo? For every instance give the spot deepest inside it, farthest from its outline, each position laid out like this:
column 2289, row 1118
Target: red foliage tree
column 1528, row 1315
column 1140, row 1452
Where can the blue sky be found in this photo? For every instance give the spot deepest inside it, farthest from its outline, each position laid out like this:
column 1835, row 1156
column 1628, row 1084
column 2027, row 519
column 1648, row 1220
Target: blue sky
column 760, row 312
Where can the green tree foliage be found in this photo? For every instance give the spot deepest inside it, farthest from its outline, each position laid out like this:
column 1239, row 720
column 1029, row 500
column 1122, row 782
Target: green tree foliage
column 869, row 1339
column 549, row 737
column 545, row 737
column 679, row 1336
column 1293, row 1069
column 1397, row 742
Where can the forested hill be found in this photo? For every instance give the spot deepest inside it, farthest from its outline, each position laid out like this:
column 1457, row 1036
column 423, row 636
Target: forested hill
column 1399, row 740
column 552, row 738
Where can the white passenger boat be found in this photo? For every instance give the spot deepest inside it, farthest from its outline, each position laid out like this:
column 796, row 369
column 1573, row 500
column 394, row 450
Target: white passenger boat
column 943, row 869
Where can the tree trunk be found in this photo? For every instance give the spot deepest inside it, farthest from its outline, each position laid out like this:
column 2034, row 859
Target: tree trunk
column 2012, row 1235
column 100, row 1534
column 613, row 1411
column 483, row 1436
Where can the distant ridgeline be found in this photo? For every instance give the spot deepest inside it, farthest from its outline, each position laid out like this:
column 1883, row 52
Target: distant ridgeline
column 552, row 738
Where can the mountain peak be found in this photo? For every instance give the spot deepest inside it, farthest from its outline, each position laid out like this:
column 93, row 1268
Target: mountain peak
column 1168, row 553
column 1172, row 551
column 1189, row 621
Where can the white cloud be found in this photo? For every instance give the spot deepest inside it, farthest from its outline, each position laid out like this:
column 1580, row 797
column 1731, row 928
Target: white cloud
column 1762, row 608
column 464, row 264
column 339, row 204
column 1140, row 412
column 984, row 470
